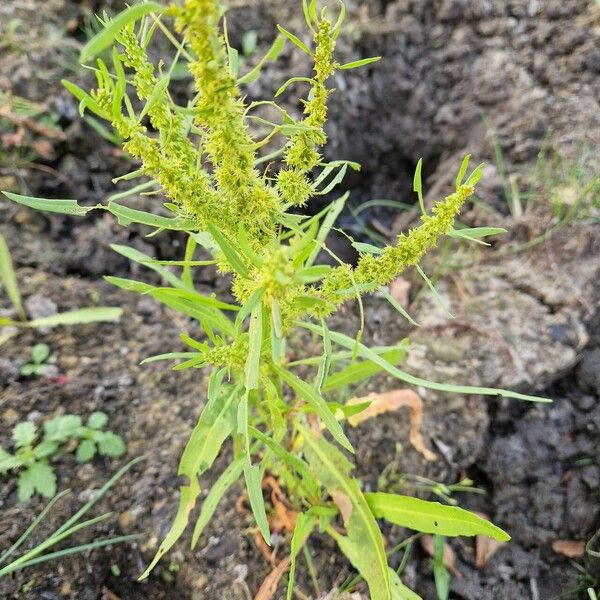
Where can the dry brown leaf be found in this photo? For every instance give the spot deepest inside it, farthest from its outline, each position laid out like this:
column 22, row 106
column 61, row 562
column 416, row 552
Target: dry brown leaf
column 569, row 548
column 269, row 585
column 449, row 556
column 389, row 401
column 286, row 517
column 267, row 552
column 344, row 504
column 399, row 290
column 43, row 148
column 108, row 595
column 485, row 547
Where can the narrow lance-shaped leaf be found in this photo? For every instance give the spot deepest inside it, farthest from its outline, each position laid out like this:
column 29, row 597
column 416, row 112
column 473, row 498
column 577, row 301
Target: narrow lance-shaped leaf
column 64, row 207
column 295, row 40
column 365, row 352
column 363, row 542
column 362, row 370
column 360, row 63
column 214, row 426
column 304, row 525
column 252, row 475
column 231, row 254
column 433, row 291
column 105, row 37
column 431, row 517
column 141, row 258
column 273, row 52
column 255, row 343
column 418, row 185
column 317, row 403
column 463, row 170
column 229, row 476
column 79, row 317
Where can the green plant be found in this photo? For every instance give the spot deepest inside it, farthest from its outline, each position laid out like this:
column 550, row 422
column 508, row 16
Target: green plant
column 61, row 434
column 39, row 554
column 251, row 224
column 40, row 353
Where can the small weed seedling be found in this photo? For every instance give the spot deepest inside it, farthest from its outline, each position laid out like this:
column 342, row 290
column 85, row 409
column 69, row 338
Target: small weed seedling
column 239, row 196
column 39, row 355
column 61, row 434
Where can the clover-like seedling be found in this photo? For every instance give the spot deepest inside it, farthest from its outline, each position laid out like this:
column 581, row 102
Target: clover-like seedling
column 64, row 433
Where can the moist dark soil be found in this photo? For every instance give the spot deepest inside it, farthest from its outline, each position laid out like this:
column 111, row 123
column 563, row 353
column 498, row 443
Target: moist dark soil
column 528, row 320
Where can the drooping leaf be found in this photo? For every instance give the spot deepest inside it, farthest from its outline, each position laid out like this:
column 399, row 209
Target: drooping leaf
column 317, row 403
column 397, row 306
column 64, row 207
column 130, row 285
column 229, row 476
column 290, row 81
column 252, row 475
column 126, row 216
column 144, row 259
column 435, row 293
column 214, row 426
column 363, row 370
column 431, row 517
column 368, row 353
column 363, row 542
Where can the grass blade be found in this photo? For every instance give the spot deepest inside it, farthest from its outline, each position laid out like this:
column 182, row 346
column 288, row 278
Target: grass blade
column 80, row 316
column 8, row 279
